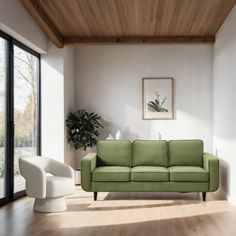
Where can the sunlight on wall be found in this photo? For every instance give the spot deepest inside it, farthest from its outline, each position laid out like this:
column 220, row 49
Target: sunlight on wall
column 52, row 83
column 225, row 150
column 194, row 127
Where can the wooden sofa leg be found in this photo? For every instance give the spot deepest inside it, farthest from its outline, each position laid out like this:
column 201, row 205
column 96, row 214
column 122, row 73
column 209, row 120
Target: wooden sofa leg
column 204, row 196
column 95, row 194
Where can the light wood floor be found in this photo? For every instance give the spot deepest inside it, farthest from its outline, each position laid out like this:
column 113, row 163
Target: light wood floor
column 125, row 214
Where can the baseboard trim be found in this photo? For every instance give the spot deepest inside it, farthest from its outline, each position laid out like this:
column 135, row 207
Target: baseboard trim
column 231, row 200
column 227, row 197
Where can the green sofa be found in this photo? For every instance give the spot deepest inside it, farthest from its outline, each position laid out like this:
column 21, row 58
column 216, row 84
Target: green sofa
column 150, row 166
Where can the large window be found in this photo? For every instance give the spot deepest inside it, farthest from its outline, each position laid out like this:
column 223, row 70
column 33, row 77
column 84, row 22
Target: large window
column 19, row 113
column 25, row 109
column 3, row 75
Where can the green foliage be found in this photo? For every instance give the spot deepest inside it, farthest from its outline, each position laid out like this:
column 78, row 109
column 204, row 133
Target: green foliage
column 18, row 154
column 156, row 105
column 83, row 128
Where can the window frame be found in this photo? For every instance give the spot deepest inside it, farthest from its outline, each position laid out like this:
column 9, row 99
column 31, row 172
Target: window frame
column 9, row 113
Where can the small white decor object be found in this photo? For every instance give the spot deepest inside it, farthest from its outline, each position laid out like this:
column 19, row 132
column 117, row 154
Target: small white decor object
column 158, row 135
column 118, row 135
column 109, row 137
column 77, row 177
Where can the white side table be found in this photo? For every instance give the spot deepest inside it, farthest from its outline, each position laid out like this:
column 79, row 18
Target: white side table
column 77, row 177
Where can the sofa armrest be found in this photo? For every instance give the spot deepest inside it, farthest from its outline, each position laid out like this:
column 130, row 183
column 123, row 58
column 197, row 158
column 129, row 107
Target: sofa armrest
column 211, row 164
column 88, row 164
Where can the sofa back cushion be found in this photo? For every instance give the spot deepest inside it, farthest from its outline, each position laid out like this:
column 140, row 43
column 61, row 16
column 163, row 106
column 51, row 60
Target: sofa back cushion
column 185, row 152
column 114, row 153
column 150, row 153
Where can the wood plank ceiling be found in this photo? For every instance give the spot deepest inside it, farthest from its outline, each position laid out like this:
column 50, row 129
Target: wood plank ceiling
column 129, row 21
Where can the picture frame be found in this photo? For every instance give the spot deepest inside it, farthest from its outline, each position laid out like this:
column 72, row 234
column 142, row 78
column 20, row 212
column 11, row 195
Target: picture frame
column 158, row 98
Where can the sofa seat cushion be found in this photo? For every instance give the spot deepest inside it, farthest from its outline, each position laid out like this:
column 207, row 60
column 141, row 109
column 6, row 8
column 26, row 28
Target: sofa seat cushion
column 59, row 186
column 149, row 173
column 111, row 173
column 188, row 174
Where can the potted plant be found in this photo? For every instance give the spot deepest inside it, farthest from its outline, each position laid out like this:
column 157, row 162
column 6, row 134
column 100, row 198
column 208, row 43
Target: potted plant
column 83, row 129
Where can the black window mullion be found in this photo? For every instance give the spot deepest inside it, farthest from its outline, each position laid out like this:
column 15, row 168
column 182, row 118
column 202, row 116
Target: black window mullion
column 39, row 109
column 10, row 123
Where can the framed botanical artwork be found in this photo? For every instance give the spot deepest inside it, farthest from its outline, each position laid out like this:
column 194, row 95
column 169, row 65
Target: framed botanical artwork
column 158, row 98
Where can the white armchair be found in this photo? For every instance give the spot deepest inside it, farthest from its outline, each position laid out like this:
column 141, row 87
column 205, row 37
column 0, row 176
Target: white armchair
column 48, row 191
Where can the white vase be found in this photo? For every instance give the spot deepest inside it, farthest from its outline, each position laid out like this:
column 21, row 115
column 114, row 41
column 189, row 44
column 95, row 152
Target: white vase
column 118, row 135
column 158, row 136
column 77, row 176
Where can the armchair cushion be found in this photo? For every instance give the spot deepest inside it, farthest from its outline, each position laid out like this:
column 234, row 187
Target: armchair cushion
column 149, row 173
column 59, row 186
column 188, row 174
column 111, row 173
column 185, row 153
column 150, row 153
column 114, row 153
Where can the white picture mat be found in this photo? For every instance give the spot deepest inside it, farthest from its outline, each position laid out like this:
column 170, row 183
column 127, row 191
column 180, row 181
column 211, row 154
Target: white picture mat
column 164, row 89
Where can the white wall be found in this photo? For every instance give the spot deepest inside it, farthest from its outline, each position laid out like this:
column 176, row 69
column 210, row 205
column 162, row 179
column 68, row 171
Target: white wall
column 69, row 98
column 52, row 109
column 17, row 22
column 224, row 104
column 108, row 82
column 57, row 100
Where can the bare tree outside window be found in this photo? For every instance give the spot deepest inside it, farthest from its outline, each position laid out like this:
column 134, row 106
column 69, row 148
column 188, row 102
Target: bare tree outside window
column 25, row 108
column 3, row 67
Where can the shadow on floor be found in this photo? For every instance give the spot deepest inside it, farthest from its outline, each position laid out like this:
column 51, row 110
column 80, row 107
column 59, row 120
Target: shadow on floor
column 91, row 207
column 151, row 196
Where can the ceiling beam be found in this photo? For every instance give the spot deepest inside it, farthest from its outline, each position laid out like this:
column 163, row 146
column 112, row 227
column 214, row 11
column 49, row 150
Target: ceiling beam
column 44, row 22
column 139, row 40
